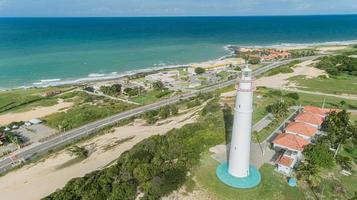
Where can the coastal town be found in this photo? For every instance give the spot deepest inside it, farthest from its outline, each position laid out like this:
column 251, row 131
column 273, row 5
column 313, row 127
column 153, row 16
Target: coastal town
column 302, row 109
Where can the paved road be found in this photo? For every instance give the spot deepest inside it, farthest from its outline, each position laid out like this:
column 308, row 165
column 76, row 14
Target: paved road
column 72, row 135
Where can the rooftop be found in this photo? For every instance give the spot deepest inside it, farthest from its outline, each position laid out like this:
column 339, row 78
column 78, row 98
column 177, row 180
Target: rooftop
column 285, row 161
column 301, row 128
column 291, row 141
column 310, row 118
column 317, row 110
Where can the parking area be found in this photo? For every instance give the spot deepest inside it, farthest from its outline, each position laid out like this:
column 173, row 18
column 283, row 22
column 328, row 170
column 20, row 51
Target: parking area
column 35, row 132
column 30, row 133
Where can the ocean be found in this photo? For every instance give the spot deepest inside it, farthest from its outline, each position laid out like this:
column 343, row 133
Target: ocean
column 36, row 51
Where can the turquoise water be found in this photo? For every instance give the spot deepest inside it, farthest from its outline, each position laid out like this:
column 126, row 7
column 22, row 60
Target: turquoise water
column 35, row 49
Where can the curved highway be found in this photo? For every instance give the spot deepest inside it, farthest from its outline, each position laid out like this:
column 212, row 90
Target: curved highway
column 28, row 152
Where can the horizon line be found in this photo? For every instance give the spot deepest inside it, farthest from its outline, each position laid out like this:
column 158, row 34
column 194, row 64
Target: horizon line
column 184, row 16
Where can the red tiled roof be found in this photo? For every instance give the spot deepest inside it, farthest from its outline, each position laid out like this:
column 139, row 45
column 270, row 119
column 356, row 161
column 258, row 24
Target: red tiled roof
column 310, row 118
column 290, row 141
column 284, row 160
column 301, row 128
column 317, row 110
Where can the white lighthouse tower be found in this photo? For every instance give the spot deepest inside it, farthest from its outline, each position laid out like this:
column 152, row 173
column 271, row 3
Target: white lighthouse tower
column 238, row 172
column 239, row 154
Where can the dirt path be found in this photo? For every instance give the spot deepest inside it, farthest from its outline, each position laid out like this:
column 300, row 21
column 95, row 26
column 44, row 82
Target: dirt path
column 34, row 113
column 41, row 179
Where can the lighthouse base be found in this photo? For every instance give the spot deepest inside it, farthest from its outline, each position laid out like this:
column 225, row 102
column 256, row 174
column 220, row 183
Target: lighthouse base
column 250, row 181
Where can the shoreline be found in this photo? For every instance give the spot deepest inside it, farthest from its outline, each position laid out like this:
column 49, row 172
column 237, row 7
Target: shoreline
column 98, row 77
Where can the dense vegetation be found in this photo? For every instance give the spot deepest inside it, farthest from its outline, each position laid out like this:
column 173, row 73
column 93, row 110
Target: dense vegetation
column 154, row 167
column 158, row 85
column 153, row 116
column 199, row 70
column 326, row 153
column 135, row 91
column 338, row 65
column 297, row 53
column 113, row 90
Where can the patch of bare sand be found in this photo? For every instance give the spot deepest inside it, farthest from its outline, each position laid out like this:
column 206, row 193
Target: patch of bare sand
column 197, row 194
column 34, row 113
column 41, row 179
column 331, row 48
column 281, row 80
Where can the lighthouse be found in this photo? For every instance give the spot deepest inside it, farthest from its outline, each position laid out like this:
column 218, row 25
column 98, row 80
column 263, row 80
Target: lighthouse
column 239, row 151
column 238, row 172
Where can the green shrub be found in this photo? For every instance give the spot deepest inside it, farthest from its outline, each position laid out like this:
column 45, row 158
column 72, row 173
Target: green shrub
column 156, row 166
column 293, row 95
column 199, row 70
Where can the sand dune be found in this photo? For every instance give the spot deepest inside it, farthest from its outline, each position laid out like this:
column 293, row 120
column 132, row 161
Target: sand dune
column 279, row 81
column 39, row 180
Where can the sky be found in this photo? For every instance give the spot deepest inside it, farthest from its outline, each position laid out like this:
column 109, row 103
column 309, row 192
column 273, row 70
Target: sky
column 106, row 8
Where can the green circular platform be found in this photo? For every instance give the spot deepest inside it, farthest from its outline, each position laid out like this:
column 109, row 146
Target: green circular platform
column 250, row 181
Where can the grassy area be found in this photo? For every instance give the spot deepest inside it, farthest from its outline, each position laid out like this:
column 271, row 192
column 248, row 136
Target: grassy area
column 337, row 85
column 24, row 99
column 87, row 108
column 337, row 186
column 151, row 97
column 267, row 131
column 330, row 102
column 288, row 68
column 273, row 185
column 83, row 114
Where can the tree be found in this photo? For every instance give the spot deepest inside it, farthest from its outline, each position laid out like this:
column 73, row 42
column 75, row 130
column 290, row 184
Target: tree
column 14, row 138
column 319, row 155
column 133, row 91
column 79, row 152
column 164, row 112
column 150, row 117
column 199, row 70
column 254, row 60
column 158, row 85
column 344, row 161
column 307, row 172
column 338, row 127
column 174, row 110
column 279, row 108
column 116, row 88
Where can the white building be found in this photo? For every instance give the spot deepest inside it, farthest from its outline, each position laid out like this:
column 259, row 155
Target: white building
column 286, row 162
column 166, row 77
column 239, row 154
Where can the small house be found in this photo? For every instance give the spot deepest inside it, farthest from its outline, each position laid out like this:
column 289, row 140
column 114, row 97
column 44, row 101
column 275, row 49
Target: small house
column 301, row 129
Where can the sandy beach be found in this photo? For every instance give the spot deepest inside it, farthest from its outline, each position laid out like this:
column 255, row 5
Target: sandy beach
column 38, row 180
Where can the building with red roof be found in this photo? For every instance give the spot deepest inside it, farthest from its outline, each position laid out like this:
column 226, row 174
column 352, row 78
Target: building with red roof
column 310, row 118
column 290, row 142
column 286, row 162
column 316, row 110
column 301, row 129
